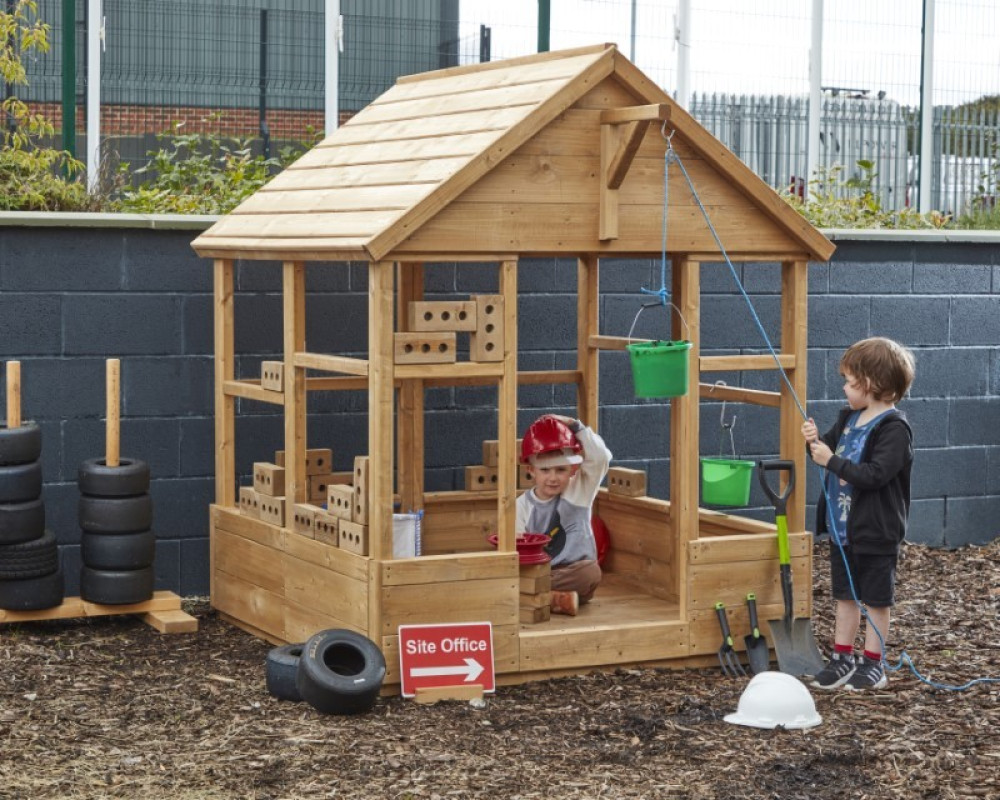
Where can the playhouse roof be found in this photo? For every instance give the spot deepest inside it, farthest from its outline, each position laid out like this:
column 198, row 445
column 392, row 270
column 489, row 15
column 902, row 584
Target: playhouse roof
column 418, row 172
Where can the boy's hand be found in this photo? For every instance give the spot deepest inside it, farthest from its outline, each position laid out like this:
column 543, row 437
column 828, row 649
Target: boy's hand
column 820, row 453
column 809, row 430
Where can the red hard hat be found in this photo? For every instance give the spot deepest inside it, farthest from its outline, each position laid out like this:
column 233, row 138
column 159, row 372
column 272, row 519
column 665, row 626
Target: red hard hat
column 548, row 435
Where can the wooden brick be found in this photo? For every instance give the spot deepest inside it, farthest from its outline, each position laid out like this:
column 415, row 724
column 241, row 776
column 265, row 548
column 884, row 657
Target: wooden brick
column 525, row 480
column 361, row 484
column 319, row 484
column 486, row 342
column 491, row 452
column 249, row 505
column 340, row 501
column 535, row 584
column 536, row 570
column 272, row 510
column 628, row 482
column 272, row 375
column 327, row 528
column 531, row 616
column 269, row 479
column 539, row 600
column 304, row 519
column 480, row 479
column 424, row 348
column 443, row 315
column 354, row 537
column 319, row 461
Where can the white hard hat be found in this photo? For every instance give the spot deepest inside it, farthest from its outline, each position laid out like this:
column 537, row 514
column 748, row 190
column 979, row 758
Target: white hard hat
column 774, row 699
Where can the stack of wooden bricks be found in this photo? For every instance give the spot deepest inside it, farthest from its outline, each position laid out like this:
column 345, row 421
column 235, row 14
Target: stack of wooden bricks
column 536, row 593
column 483, row 477
column 627, row 482
column 435, row 325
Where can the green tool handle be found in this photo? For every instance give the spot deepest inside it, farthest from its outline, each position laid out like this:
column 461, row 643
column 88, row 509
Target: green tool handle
column 752, row 609
column 784, row 554
column 720, row 610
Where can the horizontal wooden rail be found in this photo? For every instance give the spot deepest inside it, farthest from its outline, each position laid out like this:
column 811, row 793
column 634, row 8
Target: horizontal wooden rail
column 328, row 363
column 735, row 394
column 252, row 390
column 457, row 371
column 736, row 363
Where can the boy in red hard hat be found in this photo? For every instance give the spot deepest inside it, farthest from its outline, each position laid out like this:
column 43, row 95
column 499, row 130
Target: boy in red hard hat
column 568, row 462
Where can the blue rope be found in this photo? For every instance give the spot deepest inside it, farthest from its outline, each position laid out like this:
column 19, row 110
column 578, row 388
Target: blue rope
column 904, row 659
column 662, row 291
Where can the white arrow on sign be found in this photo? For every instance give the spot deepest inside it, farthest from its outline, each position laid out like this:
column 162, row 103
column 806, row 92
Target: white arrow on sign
column 472, row 670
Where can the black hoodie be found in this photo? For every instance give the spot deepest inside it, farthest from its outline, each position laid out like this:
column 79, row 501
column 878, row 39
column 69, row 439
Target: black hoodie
column 876, row 523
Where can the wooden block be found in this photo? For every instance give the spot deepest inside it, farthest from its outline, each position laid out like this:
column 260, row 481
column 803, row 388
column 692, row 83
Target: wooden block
column 443, row 315
column 539, row 600
column 326, row 528
column 340, row 501
column 269, row 479
column 531, row 616
column 319, row 461
column 486, row 342
column 249, row 505
column 525, row 480
column 536, row 570
column 173, row 621
column 424, row 348
column 361, row 484
column 629, row 482
column 491, row 452
column 272, row 375
column 353, row 537
column 304, row 519
column 319, row 484
column 480, row 479
column 535, row 584
column 272, row 510
column 429, row 695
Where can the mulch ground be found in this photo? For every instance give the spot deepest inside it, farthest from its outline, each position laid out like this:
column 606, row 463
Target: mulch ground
column 109, row 708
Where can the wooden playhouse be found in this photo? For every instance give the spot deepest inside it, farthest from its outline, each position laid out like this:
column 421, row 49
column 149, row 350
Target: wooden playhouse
column 556, row 154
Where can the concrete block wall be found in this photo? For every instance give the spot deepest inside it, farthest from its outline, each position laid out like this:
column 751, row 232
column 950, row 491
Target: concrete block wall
column 73, row 293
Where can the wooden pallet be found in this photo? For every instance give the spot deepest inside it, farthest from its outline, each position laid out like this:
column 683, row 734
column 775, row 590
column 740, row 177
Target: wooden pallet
column 163, row 612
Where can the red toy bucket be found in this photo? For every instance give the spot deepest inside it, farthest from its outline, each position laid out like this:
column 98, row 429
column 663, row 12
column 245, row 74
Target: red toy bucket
column 530, row 547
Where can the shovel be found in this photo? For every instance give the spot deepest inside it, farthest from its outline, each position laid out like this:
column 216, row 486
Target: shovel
column 757, row 652
column 793, row 639
column 731, row 666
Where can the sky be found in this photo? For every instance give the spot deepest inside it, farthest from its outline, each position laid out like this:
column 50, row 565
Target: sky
column 762, row 46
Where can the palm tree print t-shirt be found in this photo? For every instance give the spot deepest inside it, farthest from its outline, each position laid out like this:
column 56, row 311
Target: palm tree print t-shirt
column 840, row 492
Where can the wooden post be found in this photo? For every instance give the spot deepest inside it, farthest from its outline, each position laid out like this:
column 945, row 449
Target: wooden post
column 507, row 403
column 410, row 446
column 794, row 342
column 587, row 325
column 294, row 335
column 684, row 420
column 13, row 394
column 112, row 404
column 225, row 370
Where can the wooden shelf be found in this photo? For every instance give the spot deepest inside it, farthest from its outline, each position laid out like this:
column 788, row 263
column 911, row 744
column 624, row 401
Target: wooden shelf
column 252, row 390
column 445, row 372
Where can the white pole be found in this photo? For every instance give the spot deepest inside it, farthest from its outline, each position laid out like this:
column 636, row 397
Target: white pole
column 815, row 93
column 631, row 50
column 927, row 109
column 682, row 36
column 331, row 39
column 95, row 41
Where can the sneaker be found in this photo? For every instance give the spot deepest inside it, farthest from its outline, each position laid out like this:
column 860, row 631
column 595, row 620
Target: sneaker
column 868, row 675
column 837, row 672
column 565, row 603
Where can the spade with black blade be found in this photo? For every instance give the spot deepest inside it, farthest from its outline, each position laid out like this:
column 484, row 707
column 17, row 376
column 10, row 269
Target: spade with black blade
column 793, row 639
column 757, row 653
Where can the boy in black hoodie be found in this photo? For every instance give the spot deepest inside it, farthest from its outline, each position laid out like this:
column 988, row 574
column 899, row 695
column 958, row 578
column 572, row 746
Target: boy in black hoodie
column 867, row 455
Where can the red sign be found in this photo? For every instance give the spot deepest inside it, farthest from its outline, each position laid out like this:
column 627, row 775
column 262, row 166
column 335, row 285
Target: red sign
column 459, row 654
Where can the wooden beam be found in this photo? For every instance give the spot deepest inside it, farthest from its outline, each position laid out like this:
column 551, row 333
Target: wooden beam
column 507, row 417
column 794, row 340
column 410, row 442
column 380, row 409
column 587, row 325
column 328, row 363
column 628, row 145
column 611, row 342
column 711, row 391
column 294, row 312
column 225, row 371
column 607, row 214
column 648, row 113
column 251, row 390
column 737, row 363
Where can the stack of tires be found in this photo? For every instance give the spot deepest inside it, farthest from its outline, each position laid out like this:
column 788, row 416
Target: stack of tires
column 30, row 577
column 117, row 544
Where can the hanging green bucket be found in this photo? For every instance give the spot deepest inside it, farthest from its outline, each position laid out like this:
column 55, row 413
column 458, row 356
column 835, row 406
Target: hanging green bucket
column 659, row 369
column 726, row 481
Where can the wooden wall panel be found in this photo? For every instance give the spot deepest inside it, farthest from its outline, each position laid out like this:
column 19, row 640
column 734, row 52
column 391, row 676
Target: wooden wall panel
column 250, row 604
column 604, row 644
column 730, row 582
column 314, row 587
column 494, row 600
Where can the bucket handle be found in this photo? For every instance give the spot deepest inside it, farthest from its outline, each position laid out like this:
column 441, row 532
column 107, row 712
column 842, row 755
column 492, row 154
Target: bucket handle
column 644, row 306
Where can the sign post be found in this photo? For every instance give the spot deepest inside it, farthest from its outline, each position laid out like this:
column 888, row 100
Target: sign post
column 456, row 654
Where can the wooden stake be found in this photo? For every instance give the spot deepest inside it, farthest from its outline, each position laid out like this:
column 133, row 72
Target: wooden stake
column 13, row 394
column 112, row 434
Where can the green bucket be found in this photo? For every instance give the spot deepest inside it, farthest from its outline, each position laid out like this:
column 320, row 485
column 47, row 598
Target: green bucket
column 659, row 369
column 726, row 481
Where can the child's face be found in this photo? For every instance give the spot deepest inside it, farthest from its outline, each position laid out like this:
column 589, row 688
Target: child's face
column 552, row 481
column 856, row 391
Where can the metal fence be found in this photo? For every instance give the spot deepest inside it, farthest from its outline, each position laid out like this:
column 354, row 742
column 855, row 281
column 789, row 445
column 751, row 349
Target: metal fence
column 254, row 69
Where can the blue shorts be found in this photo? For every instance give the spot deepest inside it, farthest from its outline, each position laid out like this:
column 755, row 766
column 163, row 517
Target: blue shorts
column 874, row 576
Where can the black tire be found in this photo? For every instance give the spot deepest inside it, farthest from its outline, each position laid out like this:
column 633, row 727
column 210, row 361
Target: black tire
column 32, row 594
column 118, row 551
column 20, row 445
column 116, row 514
column 340, row 672
column 30, row 559
column 20, row 483
column 21, row 522
column 282, row 669
column 116, row 587
column 128, row 479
